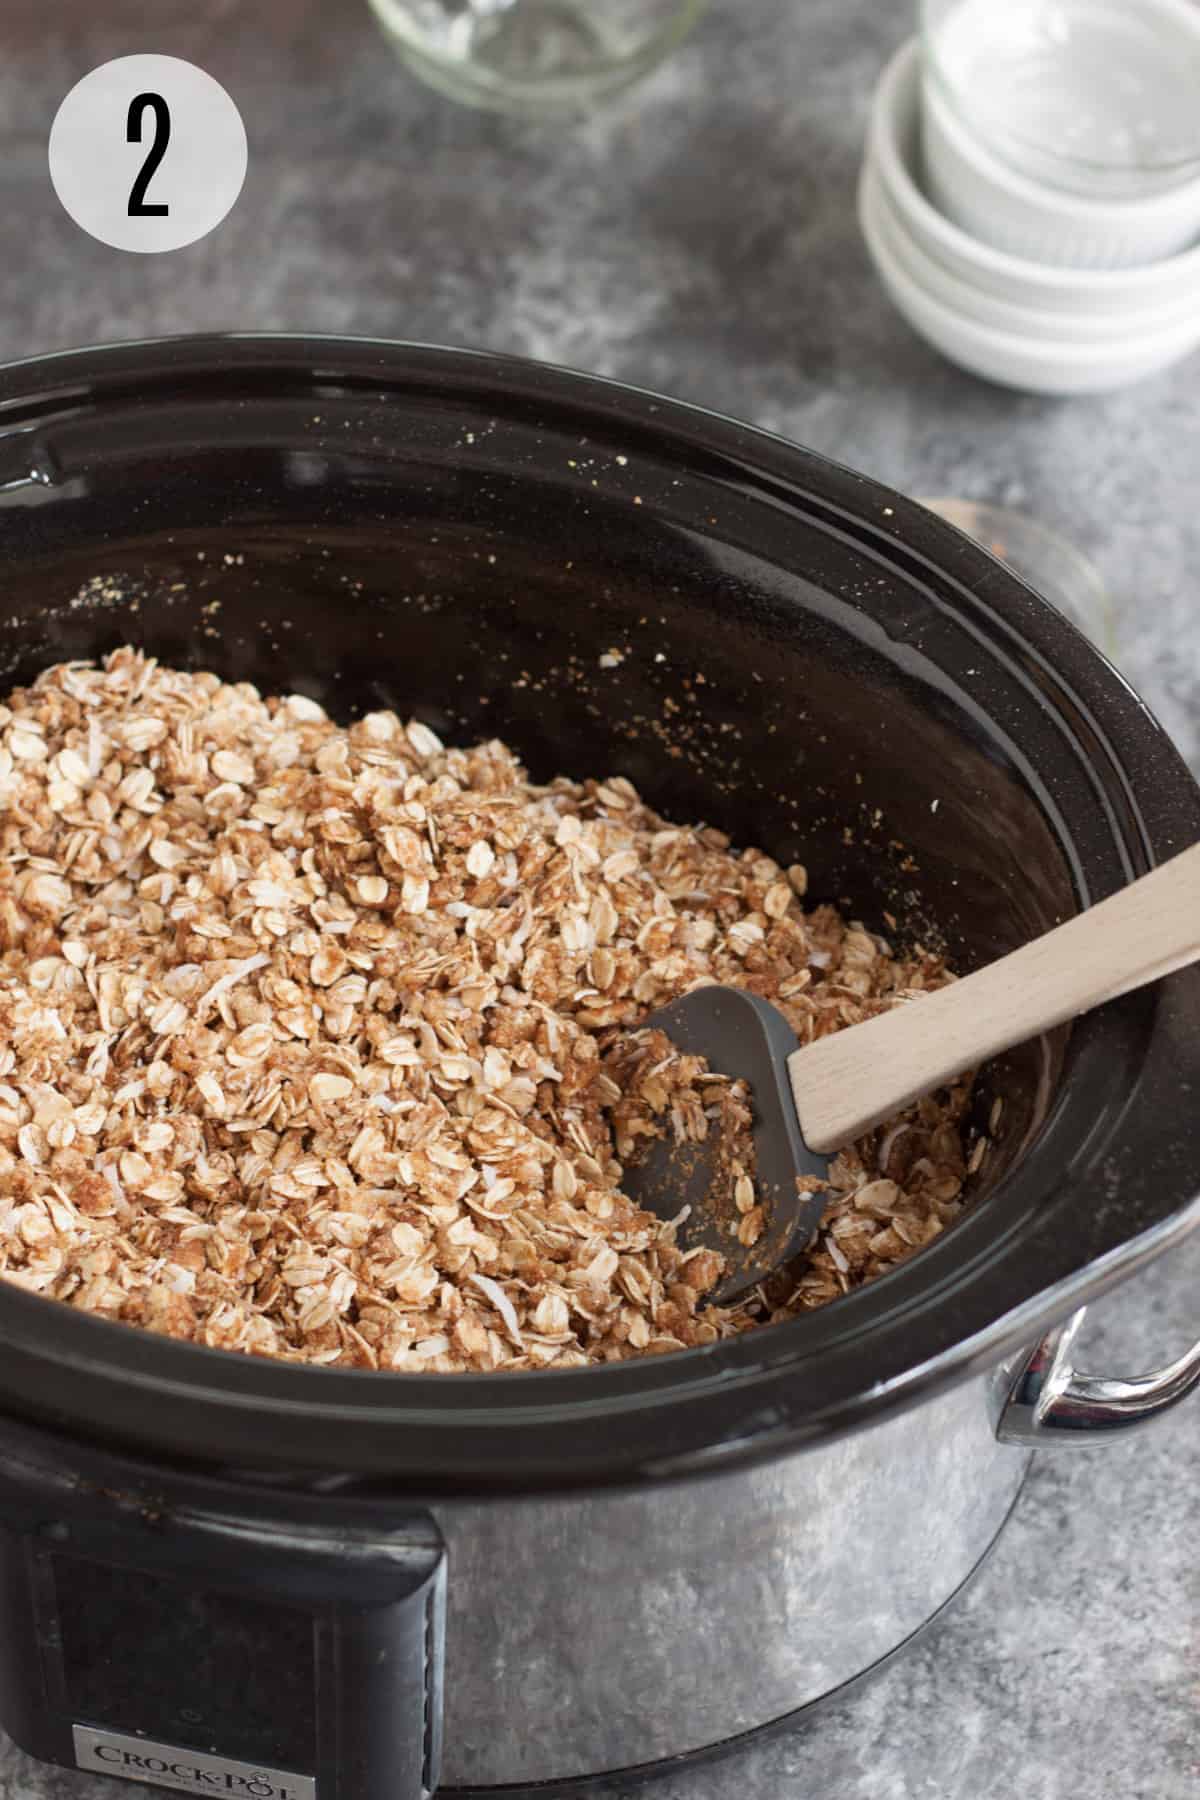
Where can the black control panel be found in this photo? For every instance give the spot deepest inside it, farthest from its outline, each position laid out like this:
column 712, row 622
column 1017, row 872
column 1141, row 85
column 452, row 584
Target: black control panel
column 269, row 1646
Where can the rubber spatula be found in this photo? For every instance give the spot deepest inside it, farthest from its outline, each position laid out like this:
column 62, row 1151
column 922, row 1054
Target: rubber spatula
column 809, row 1102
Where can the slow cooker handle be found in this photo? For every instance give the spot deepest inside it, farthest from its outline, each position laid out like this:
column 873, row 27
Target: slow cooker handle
column 1048, row 1401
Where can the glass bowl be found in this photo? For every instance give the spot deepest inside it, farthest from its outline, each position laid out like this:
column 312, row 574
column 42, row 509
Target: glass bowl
column 534, row 57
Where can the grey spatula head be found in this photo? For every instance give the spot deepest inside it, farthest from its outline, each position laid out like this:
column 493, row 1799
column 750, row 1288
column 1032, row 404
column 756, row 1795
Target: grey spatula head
column 739, row 1035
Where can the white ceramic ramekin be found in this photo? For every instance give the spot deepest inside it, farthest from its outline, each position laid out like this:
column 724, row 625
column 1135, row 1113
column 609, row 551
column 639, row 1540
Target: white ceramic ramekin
column 894, row 153
column 1011, row 211
column 1026, row 360
column 976, row 300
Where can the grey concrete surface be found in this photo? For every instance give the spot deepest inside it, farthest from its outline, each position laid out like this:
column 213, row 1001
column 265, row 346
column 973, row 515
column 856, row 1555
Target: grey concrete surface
column 699, row 237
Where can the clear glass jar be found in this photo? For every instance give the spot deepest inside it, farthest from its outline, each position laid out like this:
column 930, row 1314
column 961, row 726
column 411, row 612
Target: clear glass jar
column 1096, row 97
column 534, row 56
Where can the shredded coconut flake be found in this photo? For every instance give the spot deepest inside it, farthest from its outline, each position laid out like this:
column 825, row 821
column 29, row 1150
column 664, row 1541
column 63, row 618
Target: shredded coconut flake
column 501, row 1302
column 238, row 973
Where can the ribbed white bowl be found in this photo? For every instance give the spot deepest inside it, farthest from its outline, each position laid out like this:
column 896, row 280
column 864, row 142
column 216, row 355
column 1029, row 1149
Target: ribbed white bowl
column 1034, row 363
column 1013, row 212
column 975, row 299
column 894, row 152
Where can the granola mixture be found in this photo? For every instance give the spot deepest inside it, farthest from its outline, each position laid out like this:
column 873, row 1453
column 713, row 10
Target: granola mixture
column 321, row 1043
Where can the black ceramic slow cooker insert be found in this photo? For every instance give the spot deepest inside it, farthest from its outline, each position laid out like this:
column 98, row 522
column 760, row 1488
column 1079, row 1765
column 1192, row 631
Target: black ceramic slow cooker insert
column 239, row 1570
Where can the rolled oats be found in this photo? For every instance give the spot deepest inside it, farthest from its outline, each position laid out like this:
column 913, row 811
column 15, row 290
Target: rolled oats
column 326, row 1043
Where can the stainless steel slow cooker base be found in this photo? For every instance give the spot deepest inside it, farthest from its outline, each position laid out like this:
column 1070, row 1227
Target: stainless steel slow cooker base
column 746, row 1740
column 627, row 1628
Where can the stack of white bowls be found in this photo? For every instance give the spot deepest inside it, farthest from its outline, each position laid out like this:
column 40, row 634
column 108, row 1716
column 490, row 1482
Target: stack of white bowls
column 1018, row 280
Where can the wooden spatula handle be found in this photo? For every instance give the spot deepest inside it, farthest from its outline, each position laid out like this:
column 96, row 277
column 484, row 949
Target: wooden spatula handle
column 848, row 1083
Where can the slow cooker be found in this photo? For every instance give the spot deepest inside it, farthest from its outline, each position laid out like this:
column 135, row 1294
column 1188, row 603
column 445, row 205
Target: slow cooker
column 223, row 1574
